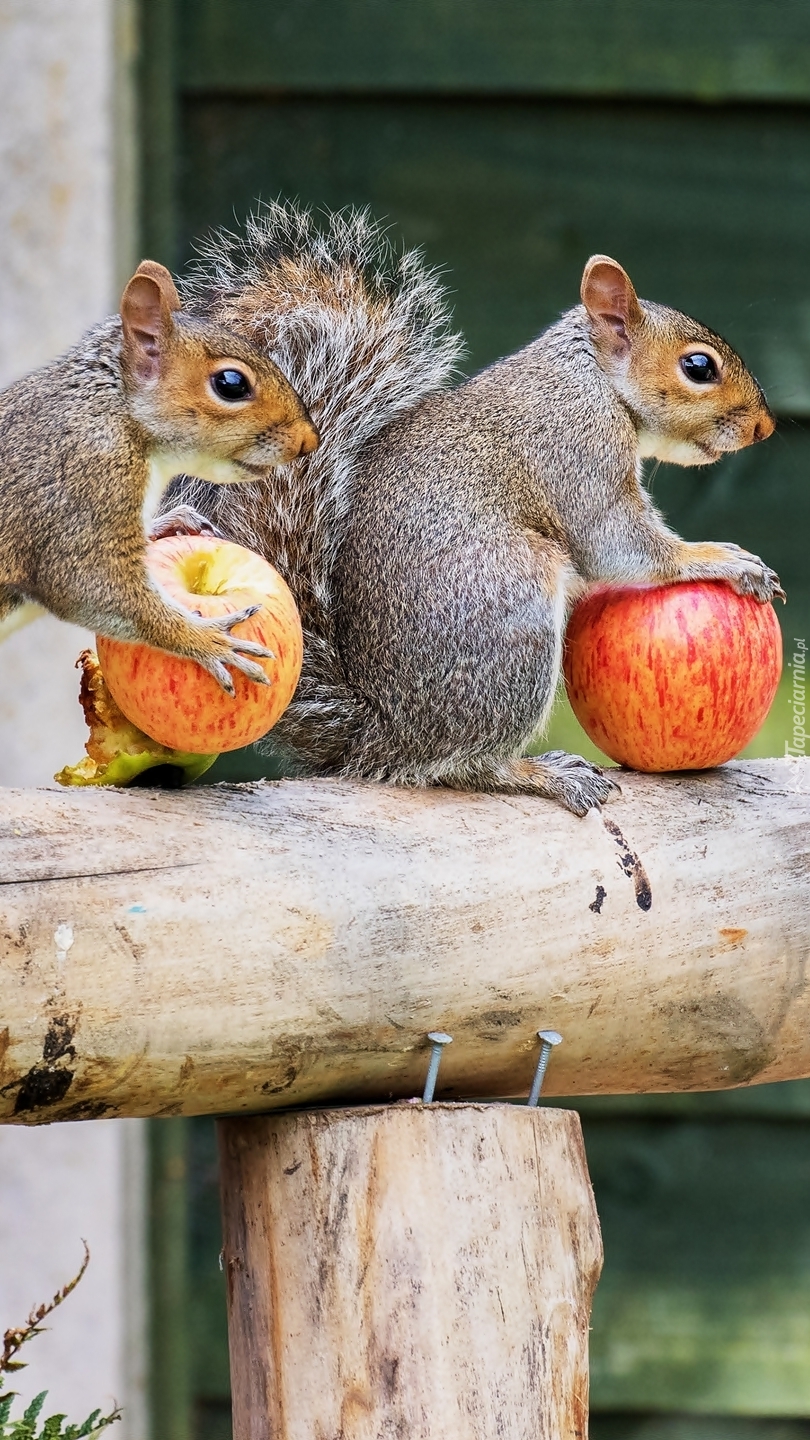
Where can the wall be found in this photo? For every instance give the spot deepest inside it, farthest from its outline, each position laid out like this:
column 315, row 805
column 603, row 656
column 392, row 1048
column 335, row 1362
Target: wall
column 66, row 208
column 61, row 1184
column 66, row 228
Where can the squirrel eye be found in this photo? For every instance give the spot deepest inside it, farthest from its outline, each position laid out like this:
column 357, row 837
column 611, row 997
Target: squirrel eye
column 699, row 368
column 231, row 385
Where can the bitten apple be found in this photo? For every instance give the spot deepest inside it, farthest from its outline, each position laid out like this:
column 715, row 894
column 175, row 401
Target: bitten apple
column 174, row 700
column 675, row 677
column 117, row 752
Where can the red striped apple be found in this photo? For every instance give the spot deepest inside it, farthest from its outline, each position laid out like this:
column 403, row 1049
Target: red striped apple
column 174, row 700
column 675, row 677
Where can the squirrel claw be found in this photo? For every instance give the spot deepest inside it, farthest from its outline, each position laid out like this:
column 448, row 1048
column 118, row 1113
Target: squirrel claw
column 576, row 783
column 749, row 575
column 222, row 676
column 238, row 643
column 253, row 672
column 759, row 580
column 227, row 622
column 252, row 647
column 221, row 673
column 182, row 520
column 231, row 651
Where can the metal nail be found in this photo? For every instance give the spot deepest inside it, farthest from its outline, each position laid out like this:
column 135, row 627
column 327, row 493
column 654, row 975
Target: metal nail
column 438, row 1040
column 548, row 1039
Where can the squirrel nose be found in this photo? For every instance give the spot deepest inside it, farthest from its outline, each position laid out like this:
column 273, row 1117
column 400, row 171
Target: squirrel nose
column 305, row 437
column 764, row 427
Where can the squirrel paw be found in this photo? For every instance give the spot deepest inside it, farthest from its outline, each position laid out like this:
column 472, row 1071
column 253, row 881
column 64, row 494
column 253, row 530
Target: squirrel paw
column 231, row 650
column 744, row 572
column 182, row 520
column 751, row 576
column 575, row 782
column 568, row 779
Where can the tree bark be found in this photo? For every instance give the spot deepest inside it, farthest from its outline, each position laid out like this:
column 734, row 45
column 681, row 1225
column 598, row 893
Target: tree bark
column 409, row 1270
column 240, row 948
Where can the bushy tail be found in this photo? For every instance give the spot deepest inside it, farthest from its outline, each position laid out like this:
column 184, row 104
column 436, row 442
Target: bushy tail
column 363, row 333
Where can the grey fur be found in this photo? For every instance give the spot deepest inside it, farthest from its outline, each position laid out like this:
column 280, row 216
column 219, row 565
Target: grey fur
column 438, row 537
column 86, row 444
column 366, row 334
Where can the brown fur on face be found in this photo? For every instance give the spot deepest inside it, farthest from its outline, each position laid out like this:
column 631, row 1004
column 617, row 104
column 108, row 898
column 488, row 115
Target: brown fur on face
column 640, row 345
column 169, row 365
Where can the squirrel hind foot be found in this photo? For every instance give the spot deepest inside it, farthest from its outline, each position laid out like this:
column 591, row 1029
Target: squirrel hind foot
column 182, row 520
column 569, row 779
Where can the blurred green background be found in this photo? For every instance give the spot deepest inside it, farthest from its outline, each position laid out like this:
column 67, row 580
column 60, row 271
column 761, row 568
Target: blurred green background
column 511, row 140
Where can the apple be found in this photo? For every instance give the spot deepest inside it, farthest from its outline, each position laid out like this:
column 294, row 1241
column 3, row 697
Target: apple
column 672, row 677
column 117, row 752
column 174, row 700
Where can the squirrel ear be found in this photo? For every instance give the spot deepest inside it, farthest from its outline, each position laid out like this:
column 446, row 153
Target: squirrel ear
column 610, row 300
column 162, row 279
column 147, row 305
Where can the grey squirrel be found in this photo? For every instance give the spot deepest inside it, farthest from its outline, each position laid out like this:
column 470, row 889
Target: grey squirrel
column 436, row 540
column 89, row 443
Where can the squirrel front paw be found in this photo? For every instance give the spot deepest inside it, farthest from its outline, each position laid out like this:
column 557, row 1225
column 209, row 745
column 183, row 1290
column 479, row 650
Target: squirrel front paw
column 744, row 572
column 749, row 575
column 182, row 520
column 217, row 649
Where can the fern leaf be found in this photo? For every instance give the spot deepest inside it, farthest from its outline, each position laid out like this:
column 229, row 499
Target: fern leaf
column 31, row 1415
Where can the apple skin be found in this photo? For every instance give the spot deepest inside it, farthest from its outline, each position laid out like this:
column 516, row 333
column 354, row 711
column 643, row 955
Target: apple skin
column 672, row 677
column 174, row 700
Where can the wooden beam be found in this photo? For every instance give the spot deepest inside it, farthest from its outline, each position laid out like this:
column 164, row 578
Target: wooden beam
column 241, row 948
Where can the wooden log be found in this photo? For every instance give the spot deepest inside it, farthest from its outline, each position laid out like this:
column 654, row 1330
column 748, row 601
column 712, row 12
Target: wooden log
column 409, row 1270
column 243, row 948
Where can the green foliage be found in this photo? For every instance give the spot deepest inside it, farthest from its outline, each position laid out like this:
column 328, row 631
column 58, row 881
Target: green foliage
column 28, row 1426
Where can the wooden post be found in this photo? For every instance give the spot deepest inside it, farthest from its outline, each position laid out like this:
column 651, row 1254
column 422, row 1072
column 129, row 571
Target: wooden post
column 409, row 1270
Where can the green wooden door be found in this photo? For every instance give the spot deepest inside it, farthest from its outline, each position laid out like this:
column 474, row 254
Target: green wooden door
column 511, row 140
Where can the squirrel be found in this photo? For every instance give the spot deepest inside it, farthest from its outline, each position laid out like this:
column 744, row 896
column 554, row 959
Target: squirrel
column 89, row 443
column 436, row 541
